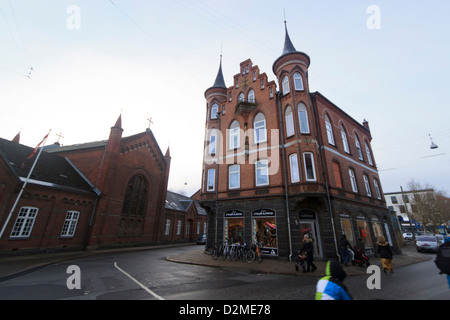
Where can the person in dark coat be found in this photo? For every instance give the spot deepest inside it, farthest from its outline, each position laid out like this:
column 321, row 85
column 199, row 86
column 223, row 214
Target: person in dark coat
column 345, row 245
column 308, row 251
column 385, row 252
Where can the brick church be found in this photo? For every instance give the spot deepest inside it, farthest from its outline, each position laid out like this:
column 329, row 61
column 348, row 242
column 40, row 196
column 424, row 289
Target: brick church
column 281, row 162
column 92, row 195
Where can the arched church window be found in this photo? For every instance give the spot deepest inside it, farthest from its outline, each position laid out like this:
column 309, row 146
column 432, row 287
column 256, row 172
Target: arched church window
column 135, row 197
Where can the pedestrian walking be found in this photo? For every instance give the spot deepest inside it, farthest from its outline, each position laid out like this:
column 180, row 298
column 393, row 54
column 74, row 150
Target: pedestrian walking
column 442, row 260
column 331, row 287
column 385, row 252
column 308, row 251
column 345, row 245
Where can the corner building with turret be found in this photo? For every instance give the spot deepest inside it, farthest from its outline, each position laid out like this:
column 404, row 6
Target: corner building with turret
column 281, row 162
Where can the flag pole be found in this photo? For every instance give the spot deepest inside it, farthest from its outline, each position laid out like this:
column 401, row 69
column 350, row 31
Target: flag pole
column 23, row 186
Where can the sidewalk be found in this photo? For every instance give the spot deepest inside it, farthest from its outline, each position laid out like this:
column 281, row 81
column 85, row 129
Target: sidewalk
column 16, row 265
column 283, row 266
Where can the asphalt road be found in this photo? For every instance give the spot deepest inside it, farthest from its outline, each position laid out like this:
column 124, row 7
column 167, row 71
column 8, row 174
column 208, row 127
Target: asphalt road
column 146, row 275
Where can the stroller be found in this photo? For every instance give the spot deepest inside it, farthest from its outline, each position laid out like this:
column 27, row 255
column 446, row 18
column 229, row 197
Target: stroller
column 300, row 261
column 359, row 257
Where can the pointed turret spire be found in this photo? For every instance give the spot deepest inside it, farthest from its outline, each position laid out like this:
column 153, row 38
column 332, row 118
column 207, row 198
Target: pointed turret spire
column 288, row 46
column 220, row 82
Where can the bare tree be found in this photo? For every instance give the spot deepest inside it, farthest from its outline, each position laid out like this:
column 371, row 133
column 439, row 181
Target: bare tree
column 429, row 206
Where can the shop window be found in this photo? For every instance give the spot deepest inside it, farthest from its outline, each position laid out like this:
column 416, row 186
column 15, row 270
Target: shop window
column 234, row 230
column 364, row 233
column 347, row 229
column 265, row 230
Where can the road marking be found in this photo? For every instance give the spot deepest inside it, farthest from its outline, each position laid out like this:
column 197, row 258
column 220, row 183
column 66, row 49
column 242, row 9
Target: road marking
column 137, row 282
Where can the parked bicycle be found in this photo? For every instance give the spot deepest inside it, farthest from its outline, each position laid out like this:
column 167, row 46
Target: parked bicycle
column 255, row 253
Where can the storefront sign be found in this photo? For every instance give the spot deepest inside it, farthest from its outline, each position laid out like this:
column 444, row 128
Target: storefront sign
column 307, row 214
column 234, row 214
column 263, row 213
column 361, row 217
column 344, row 216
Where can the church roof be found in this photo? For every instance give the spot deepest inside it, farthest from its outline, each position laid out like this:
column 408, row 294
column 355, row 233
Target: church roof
column 50, row 170
column 178, row 202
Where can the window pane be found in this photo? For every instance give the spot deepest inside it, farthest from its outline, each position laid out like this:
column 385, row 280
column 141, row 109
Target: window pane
column 289, row 122
column 211, row 179
column 234, row 174
column 293, row 161
column 262, row 173
column 309, row 166
column 303, row 118
column 298, row 81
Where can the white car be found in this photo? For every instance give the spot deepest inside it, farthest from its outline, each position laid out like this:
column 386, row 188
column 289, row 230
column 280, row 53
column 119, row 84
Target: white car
column 408, row 236
column 429, row 242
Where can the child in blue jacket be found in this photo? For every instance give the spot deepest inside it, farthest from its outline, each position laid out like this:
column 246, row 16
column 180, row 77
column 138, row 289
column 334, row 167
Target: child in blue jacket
column 331, row 287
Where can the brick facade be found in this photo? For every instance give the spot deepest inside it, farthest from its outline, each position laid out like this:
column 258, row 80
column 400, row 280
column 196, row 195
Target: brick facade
column 308, row 188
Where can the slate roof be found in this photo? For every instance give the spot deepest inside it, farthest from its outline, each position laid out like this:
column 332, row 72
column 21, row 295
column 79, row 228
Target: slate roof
column 176, row 201
column 50, row 170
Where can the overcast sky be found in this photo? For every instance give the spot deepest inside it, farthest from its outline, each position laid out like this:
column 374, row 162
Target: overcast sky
column 384, row 61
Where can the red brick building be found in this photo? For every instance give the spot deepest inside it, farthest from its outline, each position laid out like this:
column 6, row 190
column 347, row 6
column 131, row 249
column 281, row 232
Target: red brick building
column 108, row 193
column 283, row 162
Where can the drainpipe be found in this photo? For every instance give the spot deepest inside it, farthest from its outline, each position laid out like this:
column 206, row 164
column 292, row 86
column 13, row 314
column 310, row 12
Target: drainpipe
column 325, row 176
column 278, row 94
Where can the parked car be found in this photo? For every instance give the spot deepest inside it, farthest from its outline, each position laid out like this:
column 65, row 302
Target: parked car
column 429, row 242
column 202, row 239
column 408, row 236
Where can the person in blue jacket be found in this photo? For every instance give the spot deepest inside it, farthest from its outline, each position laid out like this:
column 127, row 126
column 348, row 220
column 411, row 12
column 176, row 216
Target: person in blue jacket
column 331, row 287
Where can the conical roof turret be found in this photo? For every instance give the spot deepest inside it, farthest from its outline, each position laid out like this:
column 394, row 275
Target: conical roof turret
column 219, row 83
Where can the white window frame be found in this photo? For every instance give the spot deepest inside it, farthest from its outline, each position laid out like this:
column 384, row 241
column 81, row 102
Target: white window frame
column 289, row 118
column 377, row 188
column 293, row 165
column 262, row 170
column 303, row 118
column 70, row 224
column 213, row 142
column 344, row 140
column 251, row 96
column 366, row 183
column 351, row 173
column 211, row 180
column 234, row 171
column 358, row 147
column 214, row 111
column 312, row 167
column 241, row 97
column 167, row 230
column 329, row 128
column 24, row 222
column 234, row 135
column 259, row 128
column 285, row 85
column 369, row 155
column 298, row 82
column 179, row 227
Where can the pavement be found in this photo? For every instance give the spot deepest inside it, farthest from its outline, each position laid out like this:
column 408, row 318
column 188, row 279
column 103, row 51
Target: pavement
column 13, row 266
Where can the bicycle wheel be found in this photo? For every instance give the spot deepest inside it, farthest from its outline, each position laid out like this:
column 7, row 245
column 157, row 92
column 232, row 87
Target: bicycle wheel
column 250, row 256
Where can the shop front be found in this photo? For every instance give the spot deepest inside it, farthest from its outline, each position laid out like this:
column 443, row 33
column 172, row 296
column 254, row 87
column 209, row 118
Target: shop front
column 347, row 227
column 264, row 230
